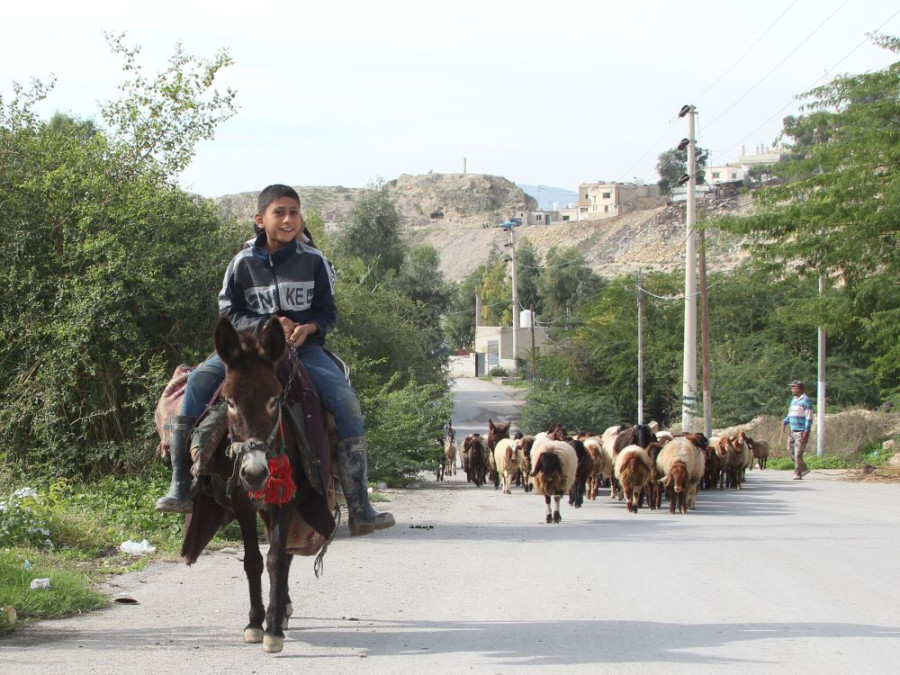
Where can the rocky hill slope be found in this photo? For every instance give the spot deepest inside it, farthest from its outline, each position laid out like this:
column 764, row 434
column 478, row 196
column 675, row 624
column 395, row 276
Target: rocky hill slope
column 458, row 215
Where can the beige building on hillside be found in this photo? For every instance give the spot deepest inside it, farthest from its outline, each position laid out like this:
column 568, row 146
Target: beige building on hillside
column 606, row 200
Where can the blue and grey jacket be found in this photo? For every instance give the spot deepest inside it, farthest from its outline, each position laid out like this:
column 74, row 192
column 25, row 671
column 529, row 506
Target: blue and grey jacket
column 296, row 281
column 800, row 414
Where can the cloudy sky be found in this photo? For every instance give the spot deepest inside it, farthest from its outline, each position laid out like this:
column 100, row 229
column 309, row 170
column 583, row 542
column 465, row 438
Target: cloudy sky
column 545, row 93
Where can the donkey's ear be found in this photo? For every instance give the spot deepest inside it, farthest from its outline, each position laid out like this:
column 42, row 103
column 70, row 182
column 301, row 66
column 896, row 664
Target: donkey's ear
column 227, row 341
column 271, row 341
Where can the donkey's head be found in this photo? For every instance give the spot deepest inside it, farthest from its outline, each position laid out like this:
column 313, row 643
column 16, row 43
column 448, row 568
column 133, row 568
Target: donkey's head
column 251, row 392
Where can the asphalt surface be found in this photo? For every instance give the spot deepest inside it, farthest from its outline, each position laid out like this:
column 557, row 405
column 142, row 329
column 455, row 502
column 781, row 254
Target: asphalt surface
column 781, row 577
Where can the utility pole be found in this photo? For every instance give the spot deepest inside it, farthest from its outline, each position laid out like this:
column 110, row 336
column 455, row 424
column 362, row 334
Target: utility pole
column 704, row 340
column 515, row 300
column 640, row 347
column 820, row 393
column 689, row 373
column 533, row 359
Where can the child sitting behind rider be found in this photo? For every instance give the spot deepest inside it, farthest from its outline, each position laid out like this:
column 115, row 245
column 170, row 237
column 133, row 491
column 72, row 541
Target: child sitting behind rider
column 280, row 275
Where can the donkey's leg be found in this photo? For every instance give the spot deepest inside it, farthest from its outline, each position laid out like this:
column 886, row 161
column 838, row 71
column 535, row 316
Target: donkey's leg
column 253, row 567
column 288, row 605
column 277, row 563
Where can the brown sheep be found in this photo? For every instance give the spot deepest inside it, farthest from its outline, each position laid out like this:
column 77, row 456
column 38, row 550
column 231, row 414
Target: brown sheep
column 555, row 464
column 682, row 464
column 601, row 465
column 760, row 450
column 632, row 470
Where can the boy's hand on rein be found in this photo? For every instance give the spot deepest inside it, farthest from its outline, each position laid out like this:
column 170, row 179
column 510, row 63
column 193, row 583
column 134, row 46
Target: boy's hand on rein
column 297, row 336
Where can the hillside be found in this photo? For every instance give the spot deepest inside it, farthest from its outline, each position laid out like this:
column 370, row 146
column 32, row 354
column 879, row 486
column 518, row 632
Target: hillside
column 457, row 214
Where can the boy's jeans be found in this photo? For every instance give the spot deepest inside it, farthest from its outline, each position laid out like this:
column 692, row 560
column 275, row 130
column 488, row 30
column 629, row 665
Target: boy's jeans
column 336, row 393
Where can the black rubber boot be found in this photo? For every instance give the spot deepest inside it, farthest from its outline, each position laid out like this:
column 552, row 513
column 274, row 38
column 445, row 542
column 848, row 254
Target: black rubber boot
column 178, row 499
column 351, row 456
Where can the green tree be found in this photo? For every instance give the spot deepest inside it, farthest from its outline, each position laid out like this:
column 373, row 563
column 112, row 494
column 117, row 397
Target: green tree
column 672, row 165
column 565, row 284
column 836, row 209
column 496, row 291
column 528, row 275
column 421, row 280
column 459, row 321
column 372, row 234
column 112, row 272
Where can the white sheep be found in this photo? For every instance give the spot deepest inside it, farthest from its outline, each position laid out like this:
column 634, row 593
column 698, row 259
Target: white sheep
column 681, row 463
column 508, row 459
column 632, row 470
column 554, row 465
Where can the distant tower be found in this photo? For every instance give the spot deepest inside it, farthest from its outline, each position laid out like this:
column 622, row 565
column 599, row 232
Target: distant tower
column 464, row 166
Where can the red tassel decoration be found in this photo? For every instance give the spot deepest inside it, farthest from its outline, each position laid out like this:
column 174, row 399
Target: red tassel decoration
column 280, row 486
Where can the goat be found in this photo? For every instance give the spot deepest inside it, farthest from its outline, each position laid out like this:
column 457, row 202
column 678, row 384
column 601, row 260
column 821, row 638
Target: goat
column 652, row 489
column 555, row 464
column 632, row 470
column 474, row 454
column 449, row 456
column 525, row 462
column 576, row 494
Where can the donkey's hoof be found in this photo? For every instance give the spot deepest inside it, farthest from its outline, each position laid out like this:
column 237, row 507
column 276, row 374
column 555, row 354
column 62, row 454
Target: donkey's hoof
column 556, row 517
column 272, row 644
column 549, row 518
column 253, row 635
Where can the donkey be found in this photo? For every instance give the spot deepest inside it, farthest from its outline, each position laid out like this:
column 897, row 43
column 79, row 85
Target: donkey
column 267, row 477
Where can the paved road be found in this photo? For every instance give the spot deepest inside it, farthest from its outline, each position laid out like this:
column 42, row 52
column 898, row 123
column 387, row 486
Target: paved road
column 782, row 577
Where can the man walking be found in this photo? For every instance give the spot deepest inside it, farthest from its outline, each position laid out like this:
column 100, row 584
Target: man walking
column 799, row 422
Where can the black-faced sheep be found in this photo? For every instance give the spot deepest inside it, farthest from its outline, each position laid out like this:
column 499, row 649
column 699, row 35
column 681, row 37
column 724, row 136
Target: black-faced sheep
column 681, row 463
column 554, row 465
column 632, row 470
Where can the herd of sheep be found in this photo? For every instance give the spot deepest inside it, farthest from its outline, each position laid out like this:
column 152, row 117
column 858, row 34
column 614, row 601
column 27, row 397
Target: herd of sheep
column 638, row 462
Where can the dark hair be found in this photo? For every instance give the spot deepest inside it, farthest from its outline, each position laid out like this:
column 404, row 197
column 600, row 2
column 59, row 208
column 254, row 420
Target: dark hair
column 273, row 192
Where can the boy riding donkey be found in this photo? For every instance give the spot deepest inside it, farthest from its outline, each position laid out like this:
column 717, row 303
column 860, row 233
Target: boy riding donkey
column 281, row 274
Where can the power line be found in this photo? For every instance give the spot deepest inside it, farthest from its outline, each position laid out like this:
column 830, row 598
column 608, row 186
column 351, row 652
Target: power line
column 749, row 49
column 777, row 65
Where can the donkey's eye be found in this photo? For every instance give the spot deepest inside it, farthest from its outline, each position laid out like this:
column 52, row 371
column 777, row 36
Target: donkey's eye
column 273, row 404
column 230, row 403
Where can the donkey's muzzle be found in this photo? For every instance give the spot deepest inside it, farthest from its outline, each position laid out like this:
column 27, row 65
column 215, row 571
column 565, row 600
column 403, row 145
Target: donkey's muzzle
column 254, row 465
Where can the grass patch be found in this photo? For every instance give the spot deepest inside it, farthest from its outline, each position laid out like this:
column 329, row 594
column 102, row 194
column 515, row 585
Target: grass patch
column 69, row 590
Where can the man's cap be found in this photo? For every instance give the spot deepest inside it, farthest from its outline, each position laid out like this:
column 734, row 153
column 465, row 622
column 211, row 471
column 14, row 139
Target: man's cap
column 798, row 383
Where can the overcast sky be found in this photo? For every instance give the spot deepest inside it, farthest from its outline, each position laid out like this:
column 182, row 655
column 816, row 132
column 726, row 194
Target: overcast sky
column 552, row 93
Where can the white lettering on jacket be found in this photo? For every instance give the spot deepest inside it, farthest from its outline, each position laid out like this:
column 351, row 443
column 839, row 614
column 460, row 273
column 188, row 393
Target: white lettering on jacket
column 294, row 296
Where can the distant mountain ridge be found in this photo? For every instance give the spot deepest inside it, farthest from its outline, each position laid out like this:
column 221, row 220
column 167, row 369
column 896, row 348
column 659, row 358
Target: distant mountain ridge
column 459, row 216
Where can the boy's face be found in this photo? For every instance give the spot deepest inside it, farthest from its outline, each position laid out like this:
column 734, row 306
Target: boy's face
column 281, row 221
